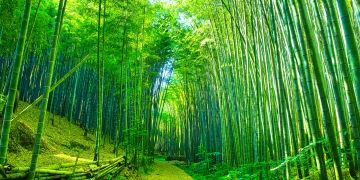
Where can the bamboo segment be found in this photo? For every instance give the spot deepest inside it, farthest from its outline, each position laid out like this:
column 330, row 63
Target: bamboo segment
column 5, row 131
column 69, row 170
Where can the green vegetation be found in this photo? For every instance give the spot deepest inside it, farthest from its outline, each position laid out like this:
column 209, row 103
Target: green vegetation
column 225, row 89
column 60, row 143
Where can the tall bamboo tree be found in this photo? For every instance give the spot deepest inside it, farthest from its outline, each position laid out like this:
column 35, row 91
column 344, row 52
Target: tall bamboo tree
column 47, row 88
column 100, row 88
column 15, row 74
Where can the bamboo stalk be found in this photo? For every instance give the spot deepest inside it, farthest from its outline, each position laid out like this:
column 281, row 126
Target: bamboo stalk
column 48, row 175
column 68, row 165
column 15, row 176
column 53, row 87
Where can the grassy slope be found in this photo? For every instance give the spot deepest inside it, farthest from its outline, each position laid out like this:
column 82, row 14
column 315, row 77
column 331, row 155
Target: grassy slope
column 61, row 141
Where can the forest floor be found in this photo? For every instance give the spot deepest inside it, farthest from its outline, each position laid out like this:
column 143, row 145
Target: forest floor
column 62, row 142
column 165, row 170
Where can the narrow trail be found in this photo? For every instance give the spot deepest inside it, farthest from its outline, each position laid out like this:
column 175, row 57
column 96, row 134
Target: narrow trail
column 165, row 170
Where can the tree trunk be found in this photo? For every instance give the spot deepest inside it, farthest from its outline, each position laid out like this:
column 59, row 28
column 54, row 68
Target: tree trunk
column 47, row 89
column 5, row 132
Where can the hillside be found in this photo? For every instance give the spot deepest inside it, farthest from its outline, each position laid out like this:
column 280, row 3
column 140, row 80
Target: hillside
column 61, row 142
column 64, row 141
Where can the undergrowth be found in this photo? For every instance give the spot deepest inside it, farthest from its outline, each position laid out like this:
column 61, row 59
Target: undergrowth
column 207, row 169
column 62, row 142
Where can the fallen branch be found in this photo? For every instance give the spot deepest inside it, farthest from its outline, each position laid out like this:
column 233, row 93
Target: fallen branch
column 15, row 176
column 108, row 169
column 62, row 176
column 69, row 170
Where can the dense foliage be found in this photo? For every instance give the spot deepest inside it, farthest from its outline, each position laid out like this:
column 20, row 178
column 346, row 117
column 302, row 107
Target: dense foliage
column 134, row 45
column 255, row 88
column 271, row 87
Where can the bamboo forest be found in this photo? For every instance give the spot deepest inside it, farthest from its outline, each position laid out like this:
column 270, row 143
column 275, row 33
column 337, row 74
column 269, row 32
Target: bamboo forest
column 180, row 89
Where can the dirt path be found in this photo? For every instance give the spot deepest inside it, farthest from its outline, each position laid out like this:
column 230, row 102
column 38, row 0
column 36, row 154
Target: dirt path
column 70, row 158
column 164, row 170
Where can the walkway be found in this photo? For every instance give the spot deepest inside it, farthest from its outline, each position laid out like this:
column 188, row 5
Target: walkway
column 165, row 170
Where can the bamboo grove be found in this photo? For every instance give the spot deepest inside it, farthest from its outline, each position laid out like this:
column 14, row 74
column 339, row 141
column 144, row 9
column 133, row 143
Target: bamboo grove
column 275, row 91
column 270, row 88
column 94, row 62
